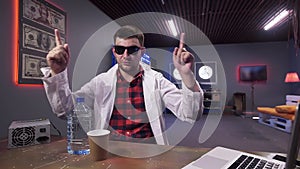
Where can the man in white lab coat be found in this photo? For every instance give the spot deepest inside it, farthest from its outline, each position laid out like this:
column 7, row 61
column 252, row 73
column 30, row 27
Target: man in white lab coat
column 130, row 97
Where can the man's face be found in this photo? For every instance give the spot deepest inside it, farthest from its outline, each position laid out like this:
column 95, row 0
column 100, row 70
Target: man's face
column 44, row 39
column 127, row 62
column 43, row 13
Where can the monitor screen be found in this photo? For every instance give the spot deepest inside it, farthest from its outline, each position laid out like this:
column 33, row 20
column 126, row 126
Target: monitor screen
column 253, row 73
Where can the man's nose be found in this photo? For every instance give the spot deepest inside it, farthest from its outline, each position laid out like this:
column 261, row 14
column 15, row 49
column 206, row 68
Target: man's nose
column 125, row 54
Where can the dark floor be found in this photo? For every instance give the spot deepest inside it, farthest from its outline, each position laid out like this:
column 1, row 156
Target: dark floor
column 232, row 131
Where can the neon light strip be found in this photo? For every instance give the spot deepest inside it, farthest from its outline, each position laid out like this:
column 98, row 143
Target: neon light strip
column 15, row 40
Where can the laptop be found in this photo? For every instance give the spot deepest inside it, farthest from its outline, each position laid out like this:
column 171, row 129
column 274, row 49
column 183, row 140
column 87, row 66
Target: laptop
column 226, row 158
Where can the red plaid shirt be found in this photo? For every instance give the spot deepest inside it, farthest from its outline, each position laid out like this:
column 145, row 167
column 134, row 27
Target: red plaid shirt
column 129, row 121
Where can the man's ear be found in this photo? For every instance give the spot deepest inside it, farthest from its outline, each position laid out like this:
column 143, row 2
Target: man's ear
column 113, row 51
column 143, row 51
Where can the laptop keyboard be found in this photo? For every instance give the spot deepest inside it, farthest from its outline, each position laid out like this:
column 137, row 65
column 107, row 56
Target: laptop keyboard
column 248, row 162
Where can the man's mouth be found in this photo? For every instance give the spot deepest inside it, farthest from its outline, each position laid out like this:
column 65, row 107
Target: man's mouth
column 126, row 62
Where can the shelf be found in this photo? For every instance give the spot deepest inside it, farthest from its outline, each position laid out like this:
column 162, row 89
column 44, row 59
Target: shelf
column 212, row 102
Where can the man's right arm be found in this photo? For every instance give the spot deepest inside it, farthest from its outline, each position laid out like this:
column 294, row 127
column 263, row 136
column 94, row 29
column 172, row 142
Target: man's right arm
column 56, row 79
column 58, row 91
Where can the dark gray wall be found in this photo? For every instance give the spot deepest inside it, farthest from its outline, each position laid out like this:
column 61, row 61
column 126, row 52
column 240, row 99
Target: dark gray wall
column 83, row 19
column 22, row 103
column 274, row 54
column 295, row 66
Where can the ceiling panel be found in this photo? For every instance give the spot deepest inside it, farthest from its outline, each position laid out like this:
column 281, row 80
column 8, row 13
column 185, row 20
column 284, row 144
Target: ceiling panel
column 221, row 21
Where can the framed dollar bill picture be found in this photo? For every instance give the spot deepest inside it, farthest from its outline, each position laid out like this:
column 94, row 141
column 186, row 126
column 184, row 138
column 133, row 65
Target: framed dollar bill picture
column 37, row 21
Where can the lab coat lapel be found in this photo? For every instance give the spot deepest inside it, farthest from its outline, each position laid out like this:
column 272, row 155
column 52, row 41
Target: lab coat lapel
column 153, row 106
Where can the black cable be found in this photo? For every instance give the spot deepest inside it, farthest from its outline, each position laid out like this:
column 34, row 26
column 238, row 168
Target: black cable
column 59, row 133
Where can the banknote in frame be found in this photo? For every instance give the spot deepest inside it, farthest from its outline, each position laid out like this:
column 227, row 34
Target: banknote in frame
column 45, row 14
column 32, row 65
column 37, row 39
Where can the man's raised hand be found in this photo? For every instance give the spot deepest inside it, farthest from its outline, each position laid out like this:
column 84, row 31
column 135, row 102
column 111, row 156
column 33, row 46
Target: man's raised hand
column 182, row 59
column 58, row 58
column 183, row 62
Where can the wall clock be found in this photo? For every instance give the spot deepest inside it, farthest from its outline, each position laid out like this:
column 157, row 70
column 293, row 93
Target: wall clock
column 205, row 72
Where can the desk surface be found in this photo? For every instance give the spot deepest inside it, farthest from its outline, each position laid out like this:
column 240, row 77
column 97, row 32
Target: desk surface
column 55, row 156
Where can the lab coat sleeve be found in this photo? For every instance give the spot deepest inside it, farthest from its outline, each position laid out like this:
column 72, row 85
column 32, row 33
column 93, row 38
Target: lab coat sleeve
column 59, row 94
column 184, row 103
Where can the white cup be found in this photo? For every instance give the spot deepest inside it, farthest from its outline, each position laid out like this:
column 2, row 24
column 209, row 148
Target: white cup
column 98, row 140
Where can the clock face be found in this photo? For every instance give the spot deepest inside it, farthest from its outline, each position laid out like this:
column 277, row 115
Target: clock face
column 205, row 72
column 176, row 74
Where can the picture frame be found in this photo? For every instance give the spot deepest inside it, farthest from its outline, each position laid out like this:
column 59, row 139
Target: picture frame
column 37, row 21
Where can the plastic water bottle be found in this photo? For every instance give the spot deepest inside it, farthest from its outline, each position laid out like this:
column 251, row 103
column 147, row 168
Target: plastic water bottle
column 79, row 123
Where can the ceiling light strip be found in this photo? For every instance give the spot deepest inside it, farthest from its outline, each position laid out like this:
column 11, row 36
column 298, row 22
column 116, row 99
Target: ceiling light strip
column 267, row 15
column 279, row 18
column 256, row 15
column 172, row 27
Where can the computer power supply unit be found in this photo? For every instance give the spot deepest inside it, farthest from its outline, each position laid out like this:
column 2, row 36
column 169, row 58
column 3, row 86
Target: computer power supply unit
column 29, row 132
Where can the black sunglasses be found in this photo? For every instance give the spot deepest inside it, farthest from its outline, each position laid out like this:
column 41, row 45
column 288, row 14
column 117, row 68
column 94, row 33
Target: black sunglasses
column 130, row 49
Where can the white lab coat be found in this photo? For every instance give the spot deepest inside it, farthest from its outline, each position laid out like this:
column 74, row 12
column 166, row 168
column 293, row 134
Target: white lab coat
column 100, row 93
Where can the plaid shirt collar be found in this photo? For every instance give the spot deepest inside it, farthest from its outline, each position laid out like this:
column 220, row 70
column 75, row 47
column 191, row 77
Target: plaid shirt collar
column 139, row 75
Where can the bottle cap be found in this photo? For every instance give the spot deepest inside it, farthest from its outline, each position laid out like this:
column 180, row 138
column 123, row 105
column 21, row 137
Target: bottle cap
column 79, row 99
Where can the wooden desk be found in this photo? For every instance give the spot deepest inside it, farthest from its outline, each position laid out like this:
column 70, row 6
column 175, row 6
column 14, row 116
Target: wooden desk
column 55, row 156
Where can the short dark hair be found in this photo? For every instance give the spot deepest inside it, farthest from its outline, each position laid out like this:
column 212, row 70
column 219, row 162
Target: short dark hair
column 129, row 31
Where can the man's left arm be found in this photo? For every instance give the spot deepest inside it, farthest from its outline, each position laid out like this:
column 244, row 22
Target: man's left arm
column 191, row 106
column 184, row 62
